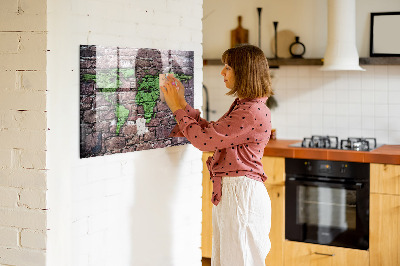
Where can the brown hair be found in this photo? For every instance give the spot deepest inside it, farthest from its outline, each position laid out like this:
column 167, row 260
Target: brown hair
column 250, row 66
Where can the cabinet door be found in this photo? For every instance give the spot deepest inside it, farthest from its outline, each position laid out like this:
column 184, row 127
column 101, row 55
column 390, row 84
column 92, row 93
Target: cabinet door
column 304, row 254
column 384, row 230
column 206, row 226
column 274, row 168
column 385, row 178
column 277, row 233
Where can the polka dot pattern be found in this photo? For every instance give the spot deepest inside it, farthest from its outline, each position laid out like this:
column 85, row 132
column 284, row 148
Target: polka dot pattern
column 238, row 139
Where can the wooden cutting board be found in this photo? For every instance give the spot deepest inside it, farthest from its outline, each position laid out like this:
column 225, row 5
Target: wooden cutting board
column 239, row 35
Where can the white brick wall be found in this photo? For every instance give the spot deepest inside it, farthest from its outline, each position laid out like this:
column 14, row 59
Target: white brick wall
column 22, row 132
column 140, row 208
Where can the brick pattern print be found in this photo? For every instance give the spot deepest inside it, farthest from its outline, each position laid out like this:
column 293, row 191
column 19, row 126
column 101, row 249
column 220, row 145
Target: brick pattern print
column 120, row 106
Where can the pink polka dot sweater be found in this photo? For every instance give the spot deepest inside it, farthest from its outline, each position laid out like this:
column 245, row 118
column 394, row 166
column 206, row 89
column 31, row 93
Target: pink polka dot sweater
column 238, row 139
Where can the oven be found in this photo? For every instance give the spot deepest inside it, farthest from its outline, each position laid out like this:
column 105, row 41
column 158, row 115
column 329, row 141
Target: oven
column 327, row 202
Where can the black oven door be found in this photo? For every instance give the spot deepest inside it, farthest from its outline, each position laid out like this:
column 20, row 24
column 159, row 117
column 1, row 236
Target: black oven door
column 327, row 212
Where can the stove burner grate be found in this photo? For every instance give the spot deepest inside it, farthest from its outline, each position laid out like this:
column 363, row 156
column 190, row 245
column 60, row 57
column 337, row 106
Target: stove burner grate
column 327, row 142
column 332, row 142
column 358, row 144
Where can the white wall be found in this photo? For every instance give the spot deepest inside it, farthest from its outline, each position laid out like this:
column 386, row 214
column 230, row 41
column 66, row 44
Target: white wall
column 306, row 19
column 343, row 104
column 311, row 102
column 140, row 208
column 23, row 133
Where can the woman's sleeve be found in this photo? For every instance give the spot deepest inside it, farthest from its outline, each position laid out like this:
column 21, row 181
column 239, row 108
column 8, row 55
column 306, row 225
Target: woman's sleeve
column 235, row 129
column 193, row 113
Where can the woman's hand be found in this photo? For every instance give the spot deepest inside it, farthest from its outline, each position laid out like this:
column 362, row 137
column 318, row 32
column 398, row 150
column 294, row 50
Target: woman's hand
column 172, row 91
column 181, row 90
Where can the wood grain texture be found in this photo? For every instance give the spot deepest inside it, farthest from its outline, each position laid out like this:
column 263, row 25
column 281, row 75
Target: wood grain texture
column 277, row 233
column 384, row 230
column 305, row 254
column 385, row 178
column 206, row 225
column 274, row 168
column 389, row 154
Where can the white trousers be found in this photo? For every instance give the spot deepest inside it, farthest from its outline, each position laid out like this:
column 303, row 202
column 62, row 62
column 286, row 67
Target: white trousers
column 241, row 223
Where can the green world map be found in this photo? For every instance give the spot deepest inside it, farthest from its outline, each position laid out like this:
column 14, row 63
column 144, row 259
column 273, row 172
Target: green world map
column 109, row 80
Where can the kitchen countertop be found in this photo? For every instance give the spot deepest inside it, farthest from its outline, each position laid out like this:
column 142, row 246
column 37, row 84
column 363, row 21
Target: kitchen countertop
column 389, row 154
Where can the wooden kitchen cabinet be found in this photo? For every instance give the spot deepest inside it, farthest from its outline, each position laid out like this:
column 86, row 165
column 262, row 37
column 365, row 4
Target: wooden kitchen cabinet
column 274, row 168
column 305, row 254
column 385, row 178
column 384, row 236
column 385, row 215
column 206, row 225
column 277, row 233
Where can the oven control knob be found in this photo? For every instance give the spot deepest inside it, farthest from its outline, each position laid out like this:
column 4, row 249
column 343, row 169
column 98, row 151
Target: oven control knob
column 343, row 168
column 308, row 166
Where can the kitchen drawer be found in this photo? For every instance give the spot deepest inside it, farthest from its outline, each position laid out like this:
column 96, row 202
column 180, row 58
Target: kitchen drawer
column 305, row 254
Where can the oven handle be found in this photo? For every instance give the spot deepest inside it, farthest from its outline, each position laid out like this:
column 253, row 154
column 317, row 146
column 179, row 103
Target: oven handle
column 357, row 185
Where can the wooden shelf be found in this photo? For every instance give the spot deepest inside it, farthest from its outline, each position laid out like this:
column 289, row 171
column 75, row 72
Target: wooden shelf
column 273, row 63
column 380, row 61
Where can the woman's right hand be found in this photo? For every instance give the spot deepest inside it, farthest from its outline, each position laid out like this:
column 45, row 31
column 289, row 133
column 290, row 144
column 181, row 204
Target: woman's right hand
column 181, row 91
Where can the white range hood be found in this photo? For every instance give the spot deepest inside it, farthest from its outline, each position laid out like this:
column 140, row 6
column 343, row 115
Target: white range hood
column 341, row 51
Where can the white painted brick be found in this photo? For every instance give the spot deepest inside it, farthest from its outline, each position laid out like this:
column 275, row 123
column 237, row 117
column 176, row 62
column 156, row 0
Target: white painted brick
column 23, row 15
column 33, row 199
column 5, row 158
column 7, row 80
column 80, row 227
column 169, row 21
column 31, row 80
column 34, row 7
column 31, row 56
column 97, row 173
column 98, row 222
column 33, row 159
column 16, row 158
column 9, row 42
column 34, row 120
column 8, row 197
column 9, row 237
column 23, row 178
column 23, row 218
column 21, row 139
column 114, row 186
column 196, row 10
column 17, row 256
column 22, row 100
column 33, row 239
column 8, row 6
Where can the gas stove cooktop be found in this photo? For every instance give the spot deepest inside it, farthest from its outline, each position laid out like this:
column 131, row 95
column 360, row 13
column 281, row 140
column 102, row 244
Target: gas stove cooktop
column 332, row 142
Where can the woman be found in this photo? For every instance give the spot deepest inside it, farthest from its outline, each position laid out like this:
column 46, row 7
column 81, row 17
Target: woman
column 242, row 208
